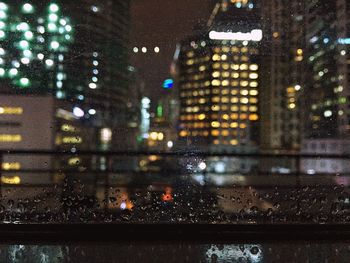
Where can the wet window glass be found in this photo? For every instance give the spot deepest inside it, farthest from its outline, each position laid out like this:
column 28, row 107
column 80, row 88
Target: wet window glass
column 218, row 112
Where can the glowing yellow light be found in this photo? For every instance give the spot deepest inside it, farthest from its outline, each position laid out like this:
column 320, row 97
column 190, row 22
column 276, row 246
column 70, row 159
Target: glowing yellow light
column 253, row 84
column 299, row 51
column 244, row 100
column 253, row 100
column 235, row 75
column 215, row 124
column 10, row 180
column 68, row 128
column 235, row 66
column 233, row 142
column 215, row 133
column 160, row 136
column 253, row 117
column 225, row 83
column 244, row 83
column 216, row 57
column 225, row 133
column 11, row 166
column 216, row 74
column 253, row 92
column 216, row 82
column 234, row 125
column 183, row 133
column 243, row 67
column 72, row 139
column 10, row 138
column 74, row 161
column 11, row 110
column 153, row 158
column 153, row 135
column 201, row 116
column 275, row 34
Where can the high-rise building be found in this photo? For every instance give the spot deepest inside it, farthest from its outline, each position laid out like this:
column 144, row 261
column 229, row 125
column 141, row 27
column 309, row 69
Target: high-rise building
column 219, row 80
column 74, row 50
column 282, row 81
column 327, row 87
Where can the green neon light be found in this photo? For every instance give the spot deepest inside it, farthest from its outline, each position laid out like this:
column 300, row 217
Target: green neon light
column 160, row 111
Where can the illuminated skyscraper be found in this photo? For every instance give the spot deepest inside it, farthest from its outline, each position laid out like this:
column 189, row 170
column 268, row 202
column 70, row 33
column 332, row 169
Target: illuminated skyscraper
column 74, row 50
column 219, row 80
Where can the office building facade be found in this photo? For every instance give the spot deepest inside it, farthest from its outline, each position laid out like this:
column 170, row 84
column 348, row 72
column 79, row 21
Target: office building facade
column 219, row 80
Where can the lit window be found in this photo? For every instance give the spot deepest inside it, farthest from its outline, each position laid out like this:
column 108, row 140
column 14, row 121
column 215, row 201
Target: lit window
column 235, row 66
column 11, row 110
column 253, row 100
column 244, row 83
column 234, row 83
column 253, row 117
column 253, row 84
column 224, row 99
column 225, row 133
column 216, row 65
column 225, row 83
column 233, row 142
column 216, row 74
column 72, row 140
column 243, row 116
column 183, row 133
column 201, row 116
column 243, row 67
column 225, row 66
column 234, row 100
column 244, row 108
column 234, row 108
column 225, row 92
column 253, row 92
column 244, row 92
column 215, row 124
column 10, row 138
column 235, row 75
column 234, row 125
column 253, row 67
column 253, row 75
column 216, row 57
column 253, row 108
column 216, row 82
column 225, row 116
column 11, row 166
column 215, row 133
column 226, row 74
column 190, row 62
column 234, row 116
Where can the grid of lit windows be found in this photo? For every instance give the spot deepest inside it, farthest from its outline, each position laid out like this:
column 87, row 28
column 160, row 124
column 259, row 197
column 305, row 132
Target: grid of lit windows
column 219, row 93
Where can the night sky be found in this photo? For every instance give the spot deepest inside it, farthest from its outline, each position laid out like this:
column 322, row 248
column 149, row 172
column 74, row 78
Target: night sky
column 162, row 23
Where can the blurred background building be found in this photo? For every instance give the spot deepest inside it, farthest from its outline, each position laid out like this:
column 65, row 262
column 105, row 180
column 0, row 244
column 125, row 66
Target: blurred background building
column 219, row 80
